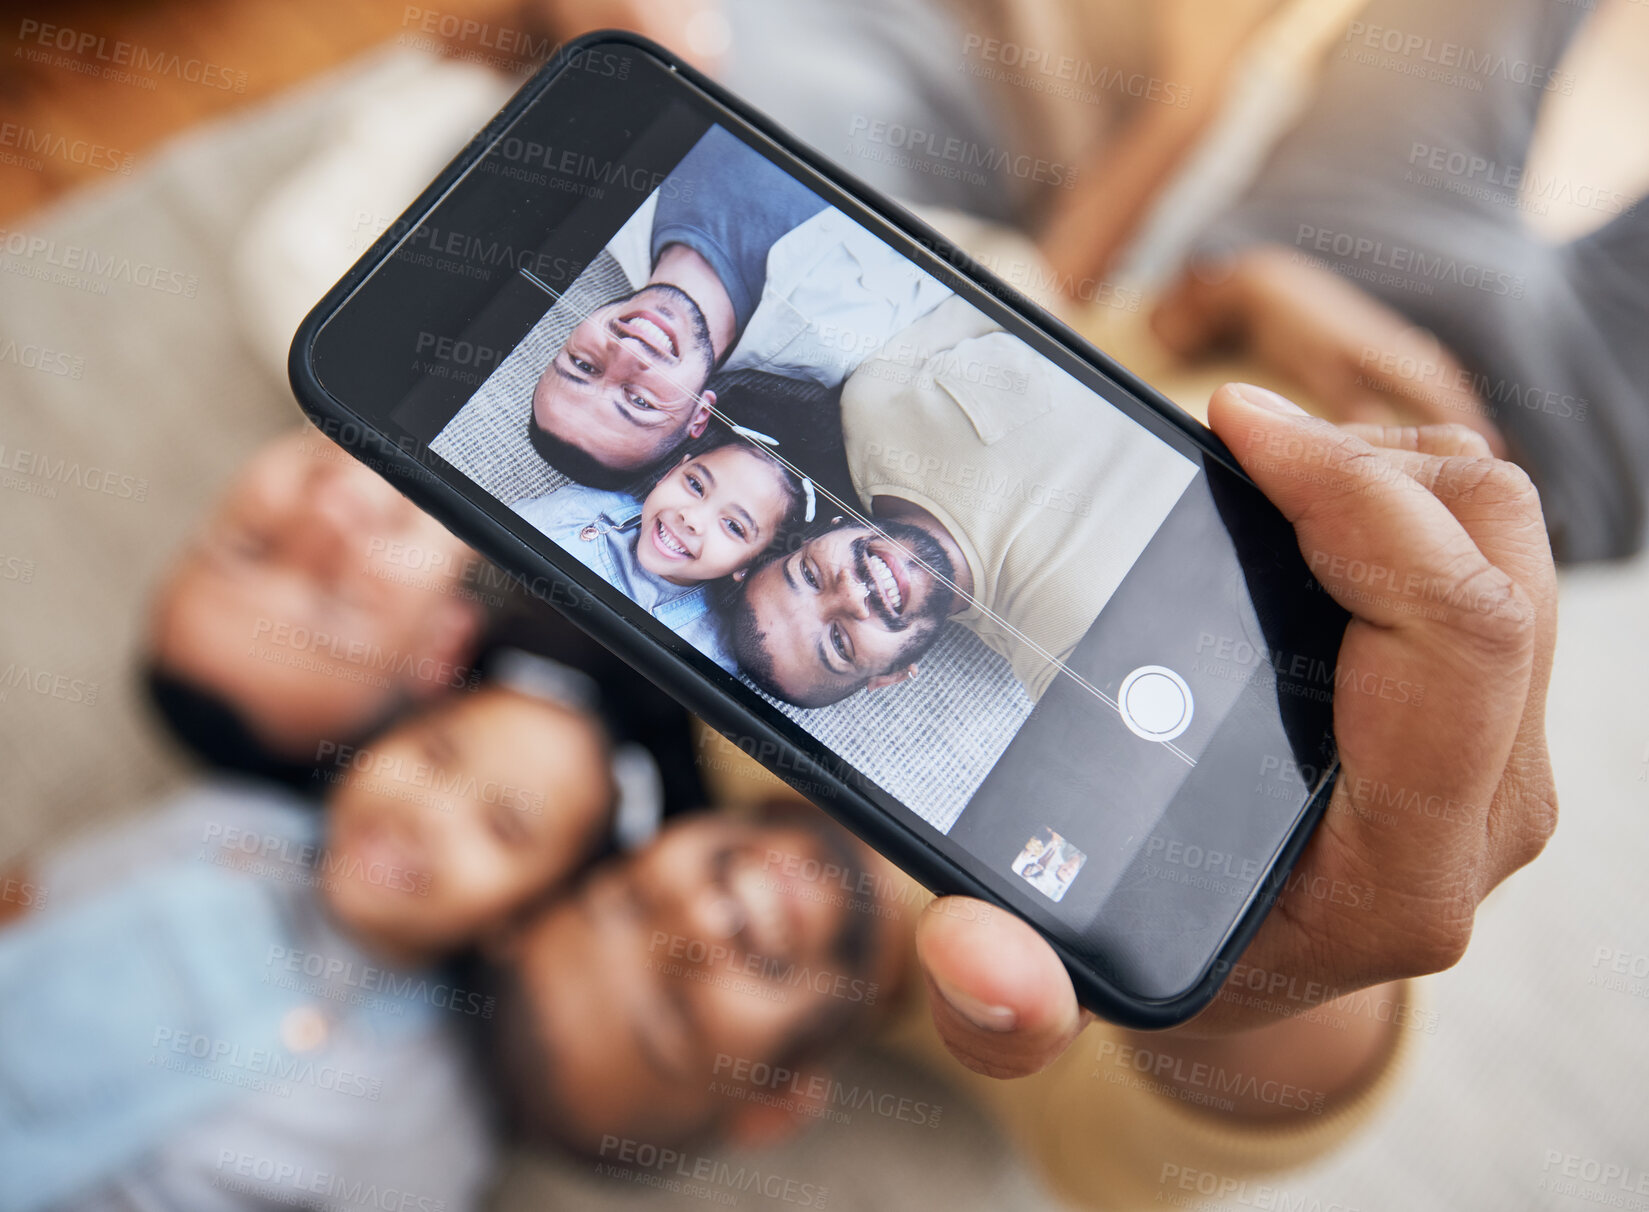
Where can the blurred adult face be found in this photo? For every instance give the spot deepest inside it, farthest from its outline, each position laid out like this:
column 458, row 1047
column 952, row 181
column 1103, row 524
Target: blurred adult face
column 625, row 387
column 718, row 944
column 314, row 598
column 460, row 816
column 849, row 609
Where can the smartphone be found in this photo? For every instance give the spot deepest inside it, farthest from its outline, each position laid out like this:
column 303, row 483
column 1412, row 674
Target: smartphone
column 1000, row 608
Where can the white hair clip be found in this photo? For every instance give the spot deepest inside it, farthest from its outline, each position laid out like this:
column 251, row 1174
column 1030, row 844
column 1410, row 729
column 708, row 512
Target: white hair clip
column 640, row 786
column 640, row 807
column 542, row 678
column 756, row 435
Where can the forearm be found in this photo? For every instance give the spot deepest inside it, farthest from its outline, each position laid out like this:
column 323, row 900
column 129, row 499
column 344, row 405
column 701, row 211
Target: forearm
column 1089, row 226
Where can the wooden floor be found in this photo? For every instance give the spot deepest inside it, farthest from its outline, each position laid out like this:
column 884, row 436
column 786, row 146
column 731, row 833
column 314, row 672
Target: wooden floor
column 88, row 89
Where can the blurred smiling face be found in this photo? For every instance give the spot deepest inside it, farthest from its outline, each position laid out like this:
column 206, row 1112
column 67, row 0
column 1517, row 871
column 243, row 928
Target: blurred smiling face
column 712, row 943
column 459, row 817
column 625, row 387
column 711, row 516
column 293, row 559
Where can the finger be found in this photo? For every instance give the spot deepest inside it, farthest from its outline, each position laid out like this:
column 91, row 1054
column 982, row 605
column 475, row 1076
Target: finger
column 1345, row 499
column 1368, row 412
column 1446, row 441
column 1431, row 385
column 1495, row 503
column 1002, row 1001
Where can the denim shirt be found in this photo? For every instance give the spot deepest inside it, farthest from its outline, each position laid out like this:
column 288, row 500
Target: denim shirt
column 186, row 1028
column 599, row 529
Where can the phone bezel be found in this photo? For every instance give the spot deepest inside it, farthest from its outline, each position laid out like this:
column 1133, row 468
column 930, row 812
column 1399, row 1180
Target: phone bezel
column 721, row 710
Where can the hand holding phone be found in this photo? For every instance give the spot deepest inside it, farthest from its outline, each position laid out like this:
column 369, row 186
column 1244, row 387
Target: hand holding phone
column 1436, row 803
column 1008, row 614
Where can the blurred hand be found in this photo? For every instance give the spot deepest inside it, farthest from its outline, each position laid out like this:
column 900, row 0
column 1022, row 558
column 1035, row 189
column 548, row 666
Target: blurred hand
column 1435, row 514
column 1355, row 357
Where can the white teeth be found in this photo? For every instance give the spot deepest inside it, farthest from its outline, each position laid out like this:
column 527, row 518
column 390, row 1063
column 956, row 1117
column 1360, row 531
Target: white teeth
column 885, row 584
column 668, row 541
column 652, row 334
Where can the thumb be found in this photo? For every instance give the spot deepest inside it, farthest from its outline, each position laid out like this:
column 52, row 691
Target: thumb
column 1002, row 1001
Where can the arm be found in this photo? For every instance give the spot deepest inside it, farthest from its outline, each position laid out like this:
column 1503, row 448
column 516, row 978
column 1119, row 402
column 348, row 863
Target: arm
column 1427, row 503
column 1197, row 42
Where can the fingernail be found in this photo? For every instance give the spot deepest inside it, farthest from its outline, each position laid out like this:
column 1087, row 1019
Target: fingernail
column 1260, row 397
column 981, row 1014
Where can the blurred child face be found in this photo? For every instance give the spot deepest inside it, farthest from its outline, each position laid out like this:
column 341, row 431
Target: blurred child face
column 459, row 817
column 711, row 516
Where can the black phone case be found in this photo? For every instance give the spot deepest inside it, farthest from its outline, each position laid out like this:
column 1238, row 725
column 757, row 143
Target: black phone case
column 820, row 780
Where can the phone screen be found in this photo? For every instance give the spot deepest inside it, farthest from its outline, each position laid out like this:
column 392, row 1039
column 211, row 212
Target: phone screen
column 1027, row 613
